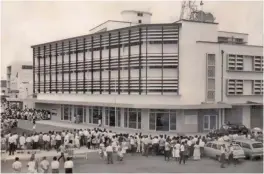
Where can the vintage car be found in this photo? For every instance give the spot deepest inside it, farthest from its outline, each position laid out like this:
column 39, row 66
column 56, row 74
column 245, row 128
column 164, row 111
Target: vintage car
column 252, row 148
column 213, row 150
column 230, row 129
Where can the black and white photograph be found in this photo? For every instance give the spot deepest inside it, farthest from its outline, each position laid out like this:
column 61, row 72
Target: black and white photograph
column 131, row 86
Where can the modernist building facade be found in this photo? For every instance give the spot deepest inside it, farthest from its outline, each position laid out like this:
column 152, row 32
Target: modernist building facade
column 178, row 77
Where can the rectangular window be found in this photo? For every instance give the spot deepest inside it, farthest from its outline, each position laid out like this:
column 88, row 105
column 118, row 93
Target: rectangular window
column 27, row 67
column 235, row 62
column 235, row 87
column 209, row 122
column 210, row 74
column 132, row 118
column 258, row 87
column 258, row 63
column 139, row 21
column 162, row 120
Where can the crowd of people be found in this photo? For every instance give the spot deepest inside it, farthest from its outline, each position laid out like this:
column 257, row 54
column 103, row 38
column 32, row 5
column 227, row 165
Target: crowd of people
column 26, row 114
column 178, row 148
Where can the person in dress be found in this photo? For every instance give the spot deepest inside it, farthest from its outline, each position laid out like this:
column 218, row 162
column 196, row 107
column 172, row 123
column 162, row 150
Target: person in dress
column 102, row 149
column 177, row 151
column 196, row 152
column 120, row 154
column 44, row 165
column 17, row 165
column 22, row 141
column 77, row 141
column 68, row 165
column 55, row 165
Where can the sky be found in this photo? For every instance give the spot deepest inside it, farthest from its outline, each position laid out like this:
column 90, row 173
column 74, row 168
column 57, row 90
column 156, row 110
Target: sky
column 27, row 23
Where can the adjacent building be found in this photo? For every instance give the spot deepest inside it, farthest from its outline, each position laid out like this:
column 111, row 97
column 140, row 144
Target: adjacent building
column 19, row 81
column 178, row 77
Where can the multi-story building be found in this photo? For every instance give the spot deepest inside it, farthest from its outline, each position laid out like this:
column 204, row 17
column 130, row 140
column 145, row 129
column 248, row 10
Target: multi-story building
column 19, row 81
column 3, row 88
column 180, row 77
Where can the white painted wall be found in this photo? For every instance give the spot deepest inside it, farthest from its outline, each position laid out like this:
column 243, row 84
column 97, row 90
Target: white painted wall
column 192, row 61
column 215, row 48
column 131, row 16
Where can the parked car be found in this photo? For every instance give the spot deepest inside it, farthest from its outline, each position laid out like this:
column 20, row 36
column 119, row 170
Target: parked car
column 251, row 148
column 213, row 149
column 230, row 129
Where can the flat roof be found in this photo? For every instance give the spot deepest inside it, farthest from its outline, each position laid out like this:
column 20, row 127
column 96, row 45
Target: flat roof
column 209, row 42
column 205, row 22
column 108, row 21
column 137, row 11
column 233, row 32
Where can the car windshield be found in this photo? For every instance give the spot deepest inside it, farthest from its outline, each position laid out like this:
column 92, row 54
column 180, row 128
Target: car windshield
column 257, row 145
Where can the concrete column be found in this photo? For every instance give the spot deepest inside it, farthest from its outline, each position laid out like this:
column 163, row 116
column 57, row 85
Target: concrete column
column 122, row 110
column 246, row 116
column 103, row 116
column 145, row 119
column 219, row 118
column 223, row 116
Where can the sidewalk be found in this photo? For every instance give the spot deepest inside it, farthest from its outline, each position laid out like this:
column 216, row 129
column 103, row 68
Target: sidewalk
column 82, row 150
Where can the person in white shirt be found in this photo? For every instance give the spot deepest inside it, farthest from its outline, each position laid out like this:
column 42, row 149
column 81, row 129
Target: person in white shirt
column 12, row 144
column 32, row 166
column 220, row 139
column 29, row 142
column 68, row 165
column 155, row 145
column 35, row 141
column 226, row 138
column 201, row 144
column 58, row 141
column 22, row 141
column 99, row 123
column 17, row 165
column 55, row 165
column 182, row 154
column 44, row 165
column 109, row 151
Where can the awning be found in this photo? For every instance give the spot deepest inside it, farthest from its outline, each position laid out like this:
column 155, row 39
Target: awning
column 14, row 99
column 248, row 103
column 140, row 106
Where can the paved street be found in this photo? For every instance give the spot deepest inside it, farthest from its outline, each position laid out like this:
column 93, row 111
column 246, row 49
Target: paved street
column 140, row 164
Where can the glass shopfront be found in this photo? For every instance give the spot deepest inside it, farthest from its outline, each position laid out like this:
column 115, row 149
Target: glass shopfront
column 162, row 120
column 132, row 118
column 112, row 117
column 95, row 114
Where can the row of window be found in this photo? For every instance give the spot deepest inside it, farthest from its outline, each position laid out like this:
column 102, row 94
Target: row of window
column 237, row 62
column 165, row 33
column 100, row 48
column 240, row 87
column 113, row 86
